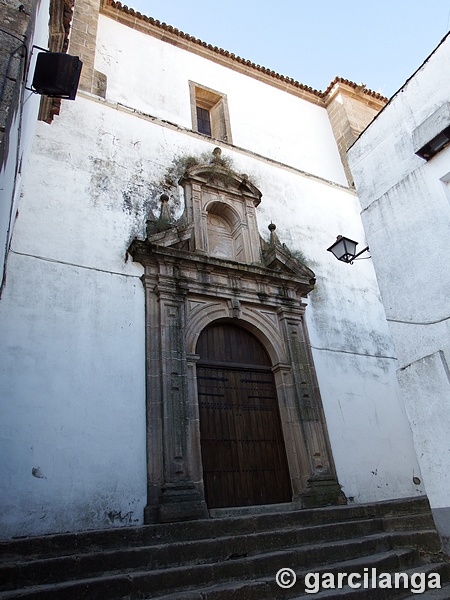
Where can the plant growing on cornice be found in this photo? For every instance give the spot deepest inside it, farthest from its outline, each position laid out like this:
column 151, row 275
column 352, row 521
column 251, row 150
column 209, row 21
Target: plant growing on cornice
column 218, row 168
column 216, row 162
column 298, row 254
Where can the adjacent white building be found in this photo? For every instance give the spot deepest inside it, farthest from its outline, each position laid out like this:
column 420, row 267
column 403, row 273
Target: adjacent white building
column 78, row 443
column 401, row 167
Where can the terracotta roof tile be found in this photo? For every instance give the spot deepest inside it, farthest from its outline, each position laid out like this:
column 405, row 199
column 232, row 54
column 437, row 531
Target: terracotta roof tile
column 221, row 51
column 353, row 85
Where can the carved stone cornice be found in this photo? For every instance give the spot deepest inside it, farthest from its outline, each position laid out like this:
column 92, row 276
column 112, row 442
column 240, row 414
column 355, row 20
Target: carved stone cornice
column 191, row 265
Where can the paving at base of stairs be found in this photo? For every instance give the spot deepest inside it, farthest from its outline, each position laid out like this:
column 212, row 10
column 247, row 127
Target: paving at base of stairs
column 235, row 555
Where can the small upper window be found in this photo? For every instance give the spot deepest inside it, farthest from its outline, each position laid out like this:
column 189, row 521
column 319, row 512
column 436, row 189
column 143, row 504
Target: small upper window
column 209, row 111
column 203, row 121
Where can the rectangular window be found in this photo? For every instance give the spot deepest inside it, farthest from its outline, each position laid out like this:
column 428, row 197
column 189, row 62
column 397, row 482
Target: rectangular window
column 209, row 111
column 203, row 121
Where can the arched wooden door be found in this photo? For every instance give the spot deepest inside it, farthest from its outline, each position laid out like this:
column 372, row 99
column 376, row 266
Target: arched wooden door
column 243, row 451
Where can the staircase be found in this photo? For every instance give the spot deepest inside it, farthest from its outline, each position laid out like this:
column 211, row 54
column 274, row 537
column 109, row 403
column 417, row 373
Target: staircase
column 233, row 556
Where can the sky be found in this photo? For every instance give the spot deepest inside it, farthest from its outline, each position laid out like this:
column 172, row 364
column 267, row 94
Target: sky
column 379, row 44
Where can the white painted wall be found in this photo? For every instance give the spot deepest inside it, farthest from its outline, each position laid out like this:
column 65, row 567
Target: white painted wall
column 352, row 348
column 74, row 324
column 406, row 215
column 73, row 426
column 72, row 315
column 154, row 77
column 73, row 352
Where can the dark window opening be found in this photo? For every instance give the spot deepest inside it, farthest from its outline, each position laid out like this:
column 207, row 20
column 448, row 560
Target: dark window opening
column 203, row 121
column 437, row 144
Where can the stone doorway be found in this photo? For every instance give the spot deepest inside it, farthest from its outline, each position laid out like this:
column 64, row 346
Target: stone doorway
column 243, row 450
column 212, row 272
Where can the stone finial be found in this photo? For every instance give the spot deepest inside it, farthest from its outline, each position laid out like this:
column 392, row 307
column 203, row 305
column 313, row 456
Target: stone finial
column 273, row 241
column 165, row 212
column 164, row 221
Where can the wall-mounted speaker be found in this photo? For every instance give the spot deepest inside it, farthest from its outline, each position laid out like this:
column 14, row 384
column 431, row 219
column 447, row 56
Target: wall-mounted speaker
column 57, row 75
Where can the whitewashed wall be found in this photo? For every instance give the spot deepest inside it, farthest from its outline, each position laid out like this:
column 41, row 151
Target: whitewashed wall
column 406, row 215
column 21, row 133
column 153, row 77
column 72, row 316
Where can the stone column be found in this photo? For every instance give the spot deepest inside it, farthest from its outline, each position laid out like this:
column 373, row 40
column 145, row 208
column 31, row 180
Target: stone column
column 254, row 246
column 193, row 433
column 293, row 433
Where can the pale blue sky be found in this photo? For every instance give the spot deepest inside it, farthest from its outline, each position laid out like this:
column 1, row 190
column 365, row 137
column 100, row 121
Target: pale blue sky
column 377, row 43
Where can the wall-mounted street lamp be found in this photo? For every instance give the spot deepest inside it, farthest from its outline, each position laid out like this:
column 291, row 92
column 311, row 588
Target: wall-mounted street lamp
column 344, row 249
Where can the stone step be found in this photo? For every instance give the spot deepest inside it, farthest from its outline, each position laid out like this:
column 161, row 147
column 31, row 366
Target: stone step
column 49, row 570
column 442, row 594
column 399, row 511
column 113, row 585
column 138, row 584
column 401, row 592
column 232, row 556
column 267, row 589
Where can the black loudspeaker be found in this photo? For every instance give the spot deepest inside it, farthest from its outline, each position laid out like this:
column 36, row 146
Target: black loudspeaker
column 57, row 75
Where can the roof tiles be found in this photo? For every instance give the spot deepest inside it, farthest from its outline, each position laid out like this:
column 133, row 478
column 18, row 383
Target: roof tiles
column 289, row 80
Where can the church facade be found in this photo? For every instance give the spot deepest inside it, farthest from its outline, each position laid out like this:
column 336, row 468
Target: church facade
column 176, row 337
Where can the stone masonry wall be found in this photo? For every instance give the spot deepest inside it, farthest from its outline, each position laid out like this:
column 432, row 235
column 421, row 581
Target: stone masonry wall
column 350, row 111
column 16, row 22
column 82, row 43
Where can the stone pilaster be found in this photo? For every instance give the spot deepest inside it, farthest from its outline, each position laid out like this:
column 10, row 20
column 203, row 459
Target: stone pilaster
column 83, row 41
column 173, row 494
column 17, row 28
column 323, row 487
column 155, row 463
column 350, row 110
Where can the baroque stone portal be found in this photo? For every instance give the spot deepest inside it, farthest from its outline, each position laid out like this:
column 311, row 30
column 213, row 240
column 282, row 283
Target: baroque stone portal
column 212, row 269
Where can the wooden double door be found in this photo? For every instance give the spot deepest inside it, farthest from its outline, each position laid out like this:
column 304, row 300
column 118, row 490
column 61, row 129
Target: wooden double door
column 243, row 451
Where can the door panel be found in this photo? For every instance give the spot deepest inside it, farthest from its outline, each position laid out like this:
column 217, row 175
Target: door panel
column 243, row 453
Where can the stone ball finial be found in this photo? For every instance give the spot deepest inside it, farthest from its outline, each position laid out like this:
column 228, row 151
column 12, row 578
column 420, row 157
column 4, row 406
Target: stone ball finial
column 272, row 227
column 164, row 198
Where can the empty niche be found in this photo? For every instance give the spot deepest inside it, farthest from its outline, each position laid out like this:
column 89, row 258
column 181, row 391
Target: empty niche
column 224, row 232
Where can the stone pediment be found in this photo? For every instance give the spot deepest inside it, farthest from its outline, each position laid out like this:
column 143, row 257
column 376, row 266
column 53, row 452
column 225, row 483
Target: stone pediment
column 277, row 256
column 219, row 226
column 280, row 259
column 221, row 177
column 173, row 236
